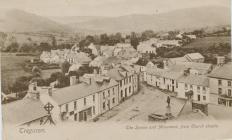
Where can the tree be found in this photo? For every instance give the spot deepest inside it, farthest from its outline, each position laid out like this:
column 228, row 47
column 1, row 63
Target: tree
column 54, row 76
column 104, row 39
column 172, row 34
column 65, row 67
column 44, row 46
column 142, row 62
column 160, row 51
column 21, row 84
column 36, row 71
column 147, row 35
column 13, row 47
column 54, row 43
column 134, row 40
column 172, row 54
column 25, row 48
column 40, row 81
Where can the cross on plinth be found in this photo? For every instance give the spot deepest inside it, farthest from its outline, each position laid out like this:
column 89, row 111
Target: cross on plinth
column 48, row 107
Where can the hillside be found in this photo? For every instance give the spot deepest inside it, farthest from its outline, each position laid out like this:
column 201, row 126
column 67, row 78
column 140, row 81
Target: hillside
column 20, row 21
column 188, row 19
column 191, row 18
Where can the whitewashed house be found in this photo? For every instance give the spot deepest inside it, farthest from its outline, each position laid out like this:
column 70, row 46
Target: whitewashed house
column 83, row 101
column 127, row 79
column 220, row 83
column 148, row 47
column 168, row 80
column 162, row 78
column 197, row 84
column 94, row 49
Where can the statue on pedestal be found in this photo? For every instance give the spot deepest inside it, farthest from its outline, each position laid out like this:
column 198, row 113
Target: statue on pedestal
column 168, row 109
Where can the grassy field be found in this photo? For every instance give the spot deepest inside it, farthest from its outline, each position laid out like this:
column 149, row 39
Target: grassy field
column 11, row 68
column 208, row 41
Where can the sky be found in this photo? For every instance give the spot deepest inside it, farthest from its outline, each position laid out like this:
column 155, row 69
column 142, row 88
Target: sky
column 103, row 7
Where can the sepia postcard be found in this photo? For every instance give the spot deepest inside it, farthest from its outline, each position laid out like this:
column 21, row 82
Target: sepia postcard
column 116, row 69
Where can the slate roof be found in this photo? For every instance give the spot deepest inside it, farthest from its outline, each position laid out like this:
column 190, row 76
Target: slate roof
column 81, row 90
column 194, row 55
column 224, row 72
column 23, row 111
column 155, row 71
column 115, row 74
column 166, row 73
column 172, row 74
column 178, row 59
column 195, row 80
column 112, row 60
column 201, row 67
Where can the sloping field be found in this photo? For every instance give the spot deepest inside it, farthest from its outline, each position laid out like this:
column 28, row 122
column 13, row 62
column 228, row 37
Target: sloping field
column 11, row 68
column 208, row 41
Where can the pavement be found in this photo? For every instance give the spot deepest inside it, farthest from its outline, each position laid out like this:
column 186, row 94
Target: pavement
column 137, row 108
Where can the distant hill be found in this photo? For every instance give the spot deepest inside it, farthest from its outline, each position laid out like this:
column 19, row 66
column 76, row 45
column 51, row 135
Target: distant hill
column 21, row 21
column 191, row 18
column 182, row 19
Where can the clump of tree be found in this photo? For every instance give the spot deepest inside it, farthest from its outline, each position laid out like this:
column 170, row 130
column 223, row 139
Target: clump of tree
column 142, row 61
column 65, row 67
column 147, row 34
column 21, row 84
column 36, row 71
column 134, row 40
column 13, row 47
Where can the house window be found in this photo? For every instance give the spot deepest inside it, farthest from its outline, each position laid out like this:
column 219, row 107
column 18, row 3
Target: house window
column 34, row 88
column 104, row 105
column 130, row 89
column 191, row 86
column 113, row 91
column 229, row 92
column 198, row 97
column 130, row 79
column 186, row 86
column 204, row 98
column 104, row 95
column 93, row 98
column 84, row 101
column 109, row 93
column 93, row 109
column 66, row 106
column 113, row 100
column 172, row 81
column 75, row 105
column 120, row 83
column 219, row 91
column 198, row 89
column 204, row 88
column 71, row 113
column 219, row 82
column 229, row 83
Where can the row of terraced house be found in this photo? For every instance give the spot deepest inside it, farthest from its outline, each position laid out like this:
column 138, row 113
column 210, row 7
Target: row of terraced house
column 85, row 99
column 201, row 79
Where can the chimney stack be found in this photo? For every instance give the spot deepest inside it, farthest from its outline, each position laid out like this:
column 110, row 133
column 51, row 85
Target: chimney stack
column 73, row 80
column 186, row 72
column 220, row 60
column 46, row 90
column 90, row 80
